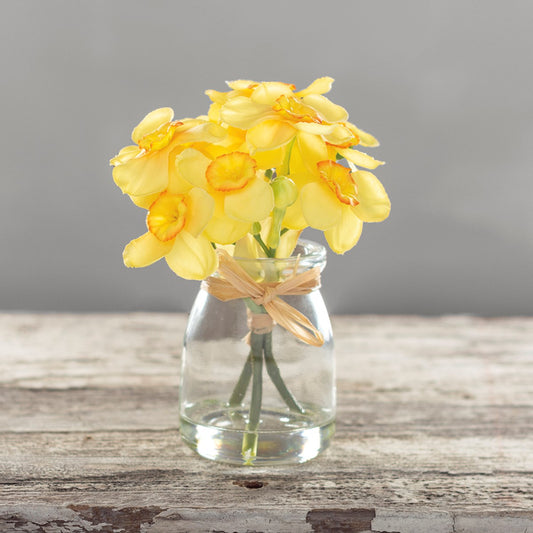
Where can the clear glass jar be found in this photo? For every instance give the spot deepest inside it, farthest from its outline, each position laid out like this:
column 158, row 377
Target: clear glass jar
column 261, row 397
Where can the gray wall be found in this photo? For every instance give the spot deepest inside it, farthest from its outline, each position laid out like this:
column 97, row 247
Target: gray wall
column 446, row 87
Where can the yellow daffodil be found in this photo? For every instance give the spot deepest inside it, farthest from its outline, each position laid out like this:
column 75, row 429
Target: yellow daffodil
column 339, row 202
column 142, row 170
column 249, row 176
column 175, row 225
column 240, row 191
column 274, row 115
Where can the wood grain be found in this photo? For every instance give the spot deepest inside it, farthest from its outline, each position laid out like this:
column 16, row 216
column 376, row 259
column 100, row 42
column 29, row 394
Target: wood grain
column 434, row 433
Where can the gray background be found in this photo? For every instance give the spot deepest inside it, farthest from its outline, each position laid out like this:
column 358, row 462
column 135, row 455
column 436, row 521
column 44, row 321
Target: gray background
column 445, row 86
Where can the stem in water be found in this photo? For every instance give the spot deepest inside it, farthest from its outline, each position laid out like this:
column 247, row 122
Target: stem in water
column 250, row 439
column 275, row 376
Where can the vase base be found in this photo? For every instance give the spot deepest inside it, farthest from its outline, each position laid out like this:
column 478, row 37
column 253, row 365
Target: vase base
column 296, row 438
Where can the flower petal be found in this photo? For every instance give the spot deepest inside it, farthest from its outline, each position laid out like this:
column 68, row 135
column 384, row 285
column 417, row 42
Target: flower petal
column 192, row 258
column 294, row 110
column 330, row 112
column 191, row 165
column 314, row 128
column 374, row 203
column 340, row 136
column 151, row 122
column 310, row 149
column 268, row 92
column 241, row 112
column 345, row 234
column 176, row 183
column 294, row 218
column 127, row 153
column 359, row 158
column 200, row 132
column 301, row 168
column 320, row 206
column 269, row 158
column 365, row 139
column 214, row 112
column 201, row 207
column 222, row 229
column 270, row 134
column 145, row 201
column 217, row 97
column 234, row 141
column 145, row 250
column 287, row 243
column 319, row 86
column 254, row 202
column 143, row 175
column 240, row 85
column 246, row 247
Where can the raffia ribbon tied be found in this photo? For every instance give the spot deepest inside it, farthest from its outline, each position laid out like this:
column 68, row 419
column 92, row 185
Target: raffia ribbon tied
column 259, row 323
column 234, row 282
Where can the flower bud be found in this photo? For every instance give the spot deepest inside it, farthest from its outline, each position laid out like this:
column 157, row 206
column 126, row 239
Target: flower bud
column 285, row 192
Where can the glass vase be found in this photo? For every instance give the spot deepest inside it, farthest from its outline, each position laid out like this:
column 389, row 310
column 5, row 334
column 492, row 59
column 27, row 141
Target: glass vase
column 252, row 392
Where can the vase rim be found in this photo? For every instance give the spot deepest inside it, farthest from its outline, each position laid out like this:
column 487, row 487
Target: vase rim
column 305, row 250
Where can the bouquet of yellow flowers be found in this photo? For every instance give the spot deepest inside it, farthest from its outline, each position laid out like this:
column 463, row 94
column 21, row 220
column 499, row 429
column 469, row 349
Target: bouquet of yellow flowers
column 244, row 181
column 264, row 164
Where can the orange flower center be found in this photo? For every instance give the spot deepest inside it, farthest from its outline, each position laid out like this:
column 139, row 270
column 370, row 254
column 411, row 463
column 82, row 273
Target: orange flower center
column 159, row 138
column 231, row 172
column 167, row 216
column 339, row 179
column 295, row 110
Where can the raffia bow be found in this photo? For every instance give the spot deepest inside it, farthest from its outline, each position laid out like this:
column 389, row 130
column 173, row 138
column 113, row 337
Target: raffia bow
column 236, row 283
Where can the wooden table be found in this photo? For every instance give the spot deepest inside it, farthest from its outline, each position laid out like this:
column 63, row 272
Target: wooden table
column 435, row 432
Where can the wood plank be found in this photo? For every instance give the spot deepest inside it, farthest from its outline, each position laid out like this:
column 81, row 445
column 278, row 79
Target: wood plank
column 400, row 471
column 435, row 426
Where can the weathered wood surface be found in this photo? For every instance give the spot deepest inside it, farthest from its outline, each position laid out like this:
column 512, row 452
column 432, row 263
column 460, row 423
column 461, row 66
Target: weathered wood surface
column 435, row 432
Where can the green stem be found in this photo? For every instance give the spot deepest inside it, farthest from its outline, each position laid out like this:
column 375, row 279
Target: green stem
column 242, row 385
column 275, row 230
column 266, row 249
column 254, row 308
column 279, row 212
column 275, row 376
column 250, row 439
column 285, row 168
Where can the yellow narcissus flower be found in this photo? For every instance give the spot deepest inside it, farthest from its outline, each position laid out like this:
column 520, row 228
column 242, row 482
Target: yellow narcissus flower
column 339, row 202
column 276, row 117
column 256, row 171
column 241, row 194
column 142, row 170
column 175, row 224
